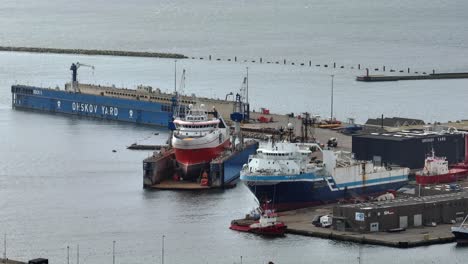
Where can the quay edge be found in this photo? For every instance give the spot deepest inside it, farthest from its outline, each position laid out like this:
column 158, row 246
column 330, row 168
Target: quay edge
column 366, row 239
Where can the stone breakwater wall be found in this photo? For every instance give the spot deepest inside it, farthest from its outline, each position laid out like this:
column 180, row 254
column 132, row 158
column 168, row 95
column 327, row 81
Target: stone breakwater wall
column 95, row 52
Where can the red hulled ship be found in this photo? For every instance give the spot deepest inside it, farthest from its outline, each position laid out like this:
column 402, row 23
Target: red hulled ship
column 436, row 170
column 197, row 140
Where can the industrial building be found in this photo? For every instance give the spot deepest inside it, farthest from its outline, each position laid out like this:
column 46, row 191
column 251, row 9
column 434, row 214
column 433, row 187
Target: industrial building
column 401, row 213
column 409, row 148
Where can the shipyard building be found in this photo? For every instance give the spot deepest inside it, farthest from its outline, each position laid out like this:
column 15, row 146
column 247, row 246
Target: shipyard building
column 401, row 213
column 409, row 148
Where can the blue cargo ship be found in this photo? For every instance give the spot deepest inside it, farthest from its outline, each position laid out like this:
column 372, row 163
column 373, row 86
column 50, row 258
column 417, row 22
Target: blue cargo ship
column 282, row 173
column 143, row 105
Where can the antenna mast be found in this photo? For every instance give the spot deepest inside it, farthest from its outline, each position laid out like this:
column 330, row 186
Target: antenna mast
column 175, row 76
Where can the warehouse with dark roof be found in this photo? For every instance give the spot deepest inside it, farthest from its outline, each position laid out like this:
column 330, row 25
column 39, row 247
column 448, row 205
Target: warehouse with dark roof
column 408, row 148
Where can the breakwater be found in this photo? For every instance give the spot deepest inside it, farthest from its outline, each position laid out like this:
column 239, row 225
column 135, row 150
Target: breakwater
column 437, row 76
column 95, row 52
column 259, row 60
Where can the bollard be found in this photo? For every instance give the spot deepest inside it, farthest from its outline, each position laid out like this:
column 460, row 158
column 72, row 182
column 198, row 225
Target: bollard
column 334, row 65
column 310, row 63
column 277, row 62
column 325, row 65
column 367, row 72
column 302, row 64
column 284, row 61
column 229, row 59
column 261, row 60
column 209, row 57
column 193, row 58
column 376, row 69
column 218, row 59
column 292, row 63
column 317, row 65
column 402, row 71
column 408, row 70
column 253, row 61
column 342, row 67
column 384, row 68
column 201, row 58
column 359, row 66
column 235, row 58
column 433, row 71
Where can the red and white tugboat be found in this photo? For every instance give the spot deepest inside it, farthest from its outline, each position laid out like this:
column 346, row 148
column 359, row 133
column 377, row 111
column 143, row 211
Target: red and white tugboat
column 436, row 171
column 197, row 140
column 267, row 224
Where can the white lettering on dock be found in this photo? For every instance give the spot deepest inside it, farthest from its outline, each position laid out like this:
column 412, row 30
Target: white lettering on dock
column 109, row 110
column 92, row 109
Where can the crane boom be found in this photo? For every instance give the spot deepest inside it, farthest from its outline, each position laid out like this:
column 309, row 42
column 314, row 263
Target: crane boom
column 74, row 68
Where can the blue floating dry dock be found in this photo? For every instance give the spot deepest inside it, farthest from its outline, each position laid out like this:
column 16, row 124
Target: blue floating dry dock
column 159, row 169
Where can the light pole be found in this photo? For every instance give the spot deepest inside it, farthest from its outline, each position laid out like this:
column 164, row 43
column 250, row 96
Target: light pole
column 4, row 248
column 113, row 252
column 331, row 110
column 162, row 249
column 247, row 86
column 68, row 254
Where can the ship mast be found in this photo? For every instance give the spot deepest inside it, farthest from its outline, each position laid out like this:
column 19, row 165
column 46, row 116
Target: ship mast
column 175, row 76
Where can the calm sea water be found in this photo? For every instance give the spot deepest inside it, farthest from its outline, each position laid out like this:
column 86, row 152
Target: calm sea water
column 61, row 184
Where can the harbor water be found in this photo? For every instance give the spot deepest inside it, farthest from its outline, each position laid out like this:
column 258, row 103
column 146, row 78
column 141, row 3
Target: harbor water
column 62, row 185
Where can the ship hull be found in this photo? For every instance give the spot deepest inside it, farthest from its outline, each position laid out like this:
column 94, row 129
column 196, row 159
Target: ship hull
column 452, row 176
column 290, row 195
column 193, row 162
column 461, row 235
column 89, row 105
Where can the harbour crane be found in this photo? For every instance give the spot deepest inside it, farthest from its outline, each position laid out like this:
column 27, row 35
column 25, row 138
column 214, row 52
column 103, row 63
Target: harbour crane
column 74, row 68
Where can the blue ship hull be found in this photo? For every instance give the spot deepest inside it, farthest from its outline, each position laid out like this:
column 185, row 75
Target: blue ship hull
column 289, row 195
column 102, row 107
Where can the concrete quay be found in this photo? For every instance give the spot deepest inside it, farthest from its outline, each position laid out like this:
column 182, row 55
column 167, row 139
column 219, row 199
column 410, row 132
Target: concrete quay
column 299, row 222
column 281, row 121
